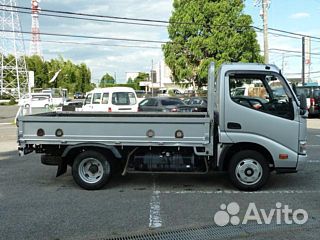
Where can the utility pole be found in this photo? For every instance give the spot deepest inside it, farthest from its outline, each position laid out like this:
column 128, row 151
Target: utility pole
column 283, row 62
column 265, row 6
column 151, row 77
column 160, row 82
column 303, row 61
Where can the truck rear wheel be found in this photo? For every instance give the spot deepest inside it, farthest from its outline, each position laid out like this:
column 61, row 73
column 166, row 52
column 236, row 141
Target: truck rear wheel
column 248, row 170
column 91, row 170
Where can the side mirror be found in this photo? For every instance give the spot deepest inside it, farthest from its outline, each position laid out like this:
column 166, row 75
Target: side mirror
column 303, row 104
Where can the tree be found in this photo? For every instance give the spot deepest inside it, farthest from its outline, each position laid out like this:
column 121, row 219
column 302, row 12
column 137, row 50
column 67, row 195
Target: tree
column 202, row 31
column 142, row 77
column 106, row 79
column 130, row 80
column 73, row 77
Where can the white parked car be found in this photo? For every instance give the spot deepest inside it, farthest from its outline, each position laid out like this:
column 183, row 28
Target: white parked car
column 36, row 100
column 114, row 99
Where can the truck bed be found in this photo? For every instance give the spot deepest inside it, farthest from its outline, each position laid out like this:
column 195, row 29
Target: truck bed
column 123, row 129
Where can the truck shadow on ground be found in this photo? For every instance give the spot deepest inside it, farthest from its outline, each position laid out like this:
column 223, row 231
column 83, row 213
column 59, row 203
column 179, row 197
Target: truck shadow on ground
column 216, row 181
column 30, row 168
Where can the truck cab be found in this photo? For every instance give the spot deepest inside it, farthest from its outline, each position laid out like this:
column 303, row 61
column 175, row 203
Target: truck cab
column 257, row 125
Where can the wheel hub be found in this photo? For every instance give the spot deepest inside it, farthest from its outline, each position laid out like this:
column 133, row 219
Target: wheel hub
column 249, row 171
column 91, row 170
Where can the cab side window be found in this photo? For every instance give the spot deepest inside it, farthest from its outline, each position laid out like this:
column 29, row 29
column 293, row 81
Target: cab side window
column 88, row 99
column 105, row 98
column 261, row 92
column 96, row 98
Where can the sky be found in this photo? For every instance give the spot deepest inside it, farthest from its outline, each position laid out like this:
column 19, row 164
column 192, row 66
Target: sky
column 300, row 16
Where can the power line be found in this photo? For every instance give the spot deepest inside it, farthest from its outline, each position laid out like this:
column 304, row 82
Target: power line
column 120, row 18
column 142, row 19
column 97, row 16
column 89, row 19
column 155, row 20
column 257, row 29
column 292, row 51
column 96, row 44
column 91, row 37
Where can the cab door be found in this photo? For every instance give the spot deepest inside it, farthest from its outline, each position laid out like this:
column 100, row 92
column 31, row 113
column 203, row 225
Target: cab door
column 264, row 112
column 87, row 105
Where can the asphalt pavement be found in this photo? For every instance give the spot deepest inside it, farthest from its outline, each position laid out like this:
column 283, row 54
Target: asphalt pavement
column 34, row 204
column 8, row 113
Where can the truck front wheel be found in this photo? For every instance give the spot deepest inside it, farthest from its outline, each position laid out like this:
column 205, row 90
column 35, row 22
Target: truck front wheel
column 91, row 170
column 248, row 170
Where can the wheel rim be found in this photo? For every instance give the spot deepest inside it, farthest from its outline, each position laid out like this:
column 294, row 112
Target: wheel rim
column 91, row 170
column 249, row 171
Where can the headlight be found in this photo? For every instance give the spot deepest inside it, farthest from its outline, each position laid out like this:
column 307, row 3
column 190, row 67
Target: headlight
column 303, row 147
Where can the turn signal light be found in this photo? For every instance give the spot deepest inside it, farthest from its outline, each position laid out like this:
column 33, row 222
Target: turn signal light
column 283, row 156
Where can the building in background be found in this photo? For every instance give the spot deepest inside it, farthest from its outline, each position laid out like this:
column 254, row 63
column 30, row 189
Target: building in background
column 163, row 74
column 131, row 75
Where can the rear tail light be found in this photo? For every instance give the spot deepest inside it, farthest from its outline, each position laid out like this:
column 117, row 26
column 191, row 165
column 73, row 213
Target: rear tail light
column 139, row 109
column 109, row 109
column 312, row 101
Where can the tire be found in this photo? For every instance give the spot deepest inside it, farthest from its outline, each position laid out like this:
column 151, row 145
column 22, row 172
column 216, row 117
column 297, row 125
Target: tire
column 46, row 106
column 27, row 106
column 91, row 170
column 248, row 170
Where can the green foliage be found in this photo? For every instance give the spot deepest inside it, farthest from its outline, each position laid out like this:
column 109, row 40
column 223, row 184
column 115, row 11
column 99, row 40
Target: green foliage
column 130, row 80
column 12, row 101
column 135, row 83
column 5, row 97
column 131, row 85
column 142, row 76
column 218, row 31
column 76, row 78
column 106, row 79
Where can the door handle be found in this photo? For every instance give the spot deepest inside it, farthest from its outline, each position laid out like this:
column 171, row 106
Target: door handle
column 233, row 125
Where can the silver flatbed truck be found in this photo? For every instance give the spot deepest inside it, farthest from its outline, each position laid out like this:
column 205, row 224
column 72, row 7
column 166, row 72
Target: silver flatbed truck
column 246, row 133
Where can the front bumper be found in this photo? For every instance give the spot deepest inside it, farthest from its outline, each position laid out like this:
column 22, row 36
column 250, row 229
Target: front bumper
column 302, row 161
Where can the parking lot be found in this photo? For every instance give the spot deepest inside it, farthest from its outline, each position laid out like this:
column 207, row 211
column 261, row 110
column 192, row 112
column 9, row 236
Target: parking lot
column 34, row 204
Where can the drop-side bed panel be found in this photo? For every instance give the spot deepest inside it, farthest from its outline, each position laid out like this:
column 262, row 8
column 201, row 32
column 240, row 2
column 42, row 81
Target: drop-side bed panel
column 129, row 129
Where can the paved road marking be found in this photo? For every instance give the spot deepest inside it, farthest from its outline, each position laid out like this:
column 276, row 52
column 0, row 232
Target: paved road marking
column 313, row 161
column 155, row 217
column 237, row 192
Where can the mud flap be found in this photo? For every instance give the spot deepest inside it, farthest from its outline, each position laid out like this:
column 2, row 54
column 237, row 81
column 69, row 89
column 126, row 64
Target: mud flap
column 62, row 168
